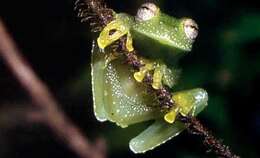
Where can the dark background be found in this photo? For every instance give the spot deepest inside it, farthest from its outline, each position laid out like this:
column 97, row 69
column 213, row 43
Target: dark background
column 225, row 61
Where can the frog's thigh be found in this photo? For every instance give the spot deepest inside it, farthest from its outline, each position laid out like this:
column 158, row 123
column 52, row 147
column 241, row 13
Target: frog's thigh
column 158, row 133
column 97, row 76
column 161, row 131
column 126, row 100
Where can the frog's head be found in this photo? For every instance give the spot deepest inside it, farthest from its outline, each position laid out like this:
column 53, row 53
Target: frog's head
column 158, row 28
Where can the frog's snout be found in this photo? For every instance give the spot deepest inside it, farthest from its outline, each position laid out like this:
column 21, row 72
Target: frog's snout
column 191, row 29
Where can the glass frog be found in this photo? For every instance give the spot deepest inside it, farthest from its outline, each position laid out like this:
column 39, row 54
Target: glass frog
column 118, row 92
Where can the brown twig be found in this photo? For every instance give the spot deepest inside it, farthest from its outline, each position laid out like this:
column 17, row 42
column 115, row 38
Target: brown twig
column 95, row 12
column 195, row 127
column 44, row 100
column 163, row 95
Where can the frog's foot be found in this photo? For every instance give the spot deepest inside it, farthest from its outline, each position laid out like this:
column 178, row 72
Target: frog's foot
column 162, row 131
column 157, row 73
column 162, row 75
column 186, row 103
column 171, row 115
column 148, row 66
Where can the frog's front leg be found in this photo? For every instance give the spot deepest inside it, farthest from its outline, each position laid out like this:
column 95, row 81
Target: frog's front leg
column 147, row 67
column 162, row 131
column 113, row 32
column 162, row 75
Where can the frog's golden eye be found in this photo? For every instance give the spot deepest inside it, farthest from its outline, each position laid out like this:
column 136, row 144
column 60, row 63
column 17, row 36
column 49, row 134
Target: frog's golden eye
column 146, row 12
column 191, row 29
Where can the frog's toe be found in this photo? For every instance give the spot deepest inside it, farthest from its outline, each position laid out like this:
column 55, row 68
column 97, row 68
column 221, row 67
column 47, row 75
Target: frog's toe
column 139, row 76
column 157, row 78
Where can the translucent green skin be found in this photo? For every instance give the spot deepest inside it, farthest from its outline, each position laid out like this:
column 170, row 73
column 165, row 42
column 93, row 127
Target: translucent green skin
column 119, row 98
column 161, row 37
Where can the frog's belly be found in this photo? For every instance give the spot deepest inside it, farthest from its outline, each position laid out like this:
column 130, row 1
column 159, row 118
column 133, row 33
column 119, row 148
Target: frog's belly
column 117, row 96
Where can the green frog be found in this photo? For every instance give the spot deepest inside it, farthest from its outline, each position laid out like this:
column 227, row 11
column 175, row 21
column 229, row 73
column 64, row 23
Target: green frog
column 118, row 92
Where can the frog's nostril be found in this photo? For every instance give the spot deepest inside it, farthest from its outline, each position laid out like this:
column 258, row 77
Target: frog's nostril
column 191, row 29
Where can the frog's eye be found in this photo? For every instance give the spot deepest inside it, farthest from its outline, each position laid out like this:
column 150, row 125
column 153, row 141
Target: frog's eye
column 146, row 12
column 191, row 29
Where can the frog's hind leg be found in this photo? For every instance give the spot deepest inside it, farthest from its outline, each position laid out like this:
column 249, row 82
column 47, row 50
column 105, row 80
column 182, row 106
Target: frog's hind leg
column 161, row 131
